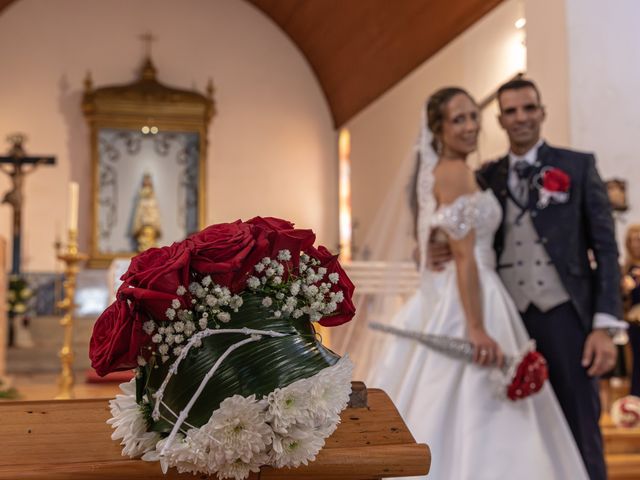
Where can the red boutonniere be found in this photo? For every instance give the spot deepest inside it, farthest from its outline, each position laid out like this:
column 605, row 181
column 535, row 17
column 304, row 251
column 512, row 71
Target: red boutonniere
column 553, row 184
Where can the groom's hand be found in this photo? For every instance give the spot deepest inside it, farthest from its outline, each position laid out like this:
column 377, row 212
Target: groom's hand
column 438, row 251
column 599, row 353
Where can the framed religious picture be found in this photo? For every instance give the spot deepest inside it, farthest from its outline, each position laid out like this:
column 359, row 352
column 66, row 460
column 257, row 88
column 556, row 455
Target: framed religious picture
column 148, row 157
column 617, row 191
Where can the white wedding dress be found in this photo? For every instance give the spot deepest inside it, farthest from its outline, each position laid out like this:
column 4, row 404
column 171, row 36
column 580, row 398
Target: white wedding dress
column 457, row 408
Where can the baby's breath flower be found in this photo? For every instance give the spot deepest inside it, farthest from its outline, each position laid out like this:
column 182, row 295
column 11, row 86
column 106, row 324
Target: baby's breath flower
column 267, row 301
column 170, row 313
column 181, row 290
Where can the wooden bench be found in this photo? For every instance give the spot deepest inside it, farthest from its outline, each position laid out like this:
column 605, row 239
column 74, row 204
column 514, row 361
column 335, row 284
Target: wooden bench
column 70, row 440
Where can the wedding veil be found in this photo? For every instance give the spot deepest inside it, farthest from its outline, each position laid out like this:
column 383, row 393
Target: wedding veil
column 386, row 274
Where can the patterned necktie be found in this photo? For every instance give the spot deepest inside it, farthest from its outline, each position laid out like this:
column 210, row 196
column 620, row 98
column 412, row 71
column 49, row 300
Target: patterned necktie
column 524, row 170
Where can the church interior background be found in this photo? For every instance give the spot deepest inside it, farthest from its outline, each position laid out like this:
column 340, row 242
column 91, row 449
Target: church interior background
column 295, row 109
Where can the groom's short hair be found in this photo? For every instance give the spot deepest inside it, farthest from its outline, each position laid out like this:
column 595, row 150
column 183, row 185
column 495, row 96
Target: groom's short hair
column 517, row 84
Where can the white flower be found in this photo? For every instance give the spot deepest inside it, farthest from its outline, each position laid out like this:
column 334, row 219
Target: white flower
column 206, row 281
column 295, row 288
column 211, row 300
column 170, row 313
column 280, row 269
column 129, row 423
column 267, row 302
column 239, row 470
column 141, row 361
column 236, row 302
column 163, row 349
column 284, row 255
column 178, row 326
column 161, row 330
column 259, row 267
column 177, row 350
column 189, row 328
column 148, row 327
column 322, row 271
column 279, row 295
column 253, row 282
column 181, row 290
column 202, row 323
column 157, row 338
column 239, row 429
column 334, row 277
column 289, row 405
column 169, row 338
column 224, row 317
column 298, row 446
column 178, row 339
column 297, row 313
column 276, row 280
column 266, row 261
column 175, row 303
column 330, row 389
column 277, row 314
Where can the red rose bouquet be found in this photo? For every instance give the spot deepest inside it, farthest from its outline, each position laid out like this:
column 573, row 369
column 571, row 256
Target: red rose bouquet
column 230, row 373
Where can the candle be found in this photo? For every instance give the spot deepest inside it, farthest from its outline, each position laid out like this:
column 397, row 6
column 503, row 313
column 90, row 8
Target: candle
column 73, row 206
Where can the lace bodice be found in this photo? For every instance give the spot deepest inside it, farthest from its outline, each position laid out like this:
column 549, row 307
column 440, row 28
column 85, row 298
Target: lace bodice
column 479, row 211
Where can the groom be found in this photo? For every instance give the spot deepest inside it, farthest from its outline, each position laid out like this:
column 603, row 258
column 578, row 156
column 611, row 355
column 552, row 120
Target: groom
column 556, row 212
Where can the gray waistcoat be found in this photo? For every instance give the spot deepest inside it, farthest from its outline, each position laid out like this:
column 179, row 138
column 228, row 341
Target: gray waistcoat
column 525, row 267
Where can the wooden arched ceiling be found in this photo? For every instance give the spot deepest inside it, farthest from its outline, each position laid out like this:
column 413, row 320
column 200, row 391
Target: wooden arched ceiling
column 359, row 49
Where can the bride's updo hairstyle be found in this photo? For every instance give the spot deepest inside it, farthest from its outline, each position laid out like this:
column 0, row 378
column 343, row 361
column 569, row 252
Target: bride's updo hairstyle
column 436, row 111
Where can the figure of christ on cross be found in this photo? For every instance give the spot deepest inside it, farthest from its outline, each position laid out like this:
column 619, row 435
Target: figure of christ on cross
column 17, row 165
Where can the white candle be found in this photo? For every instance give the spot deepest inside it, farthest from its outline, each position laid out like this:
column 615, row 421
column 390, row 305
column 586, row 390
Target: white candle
column 74, row 189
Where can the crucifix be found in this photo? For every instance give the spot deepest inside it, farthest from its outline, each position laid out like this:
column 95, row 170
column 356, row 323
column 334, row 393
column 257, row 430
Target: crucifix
column 147, row 39
column 17, row 165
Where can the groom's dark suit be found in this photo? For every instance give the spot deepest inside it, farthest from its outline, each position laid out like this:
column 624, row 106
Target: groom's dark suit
column 569, row 231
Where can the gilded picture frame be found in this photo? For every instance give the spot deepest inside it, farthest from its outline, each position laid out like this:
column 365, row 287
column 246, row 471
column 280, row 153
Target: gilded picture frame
column 145, row 134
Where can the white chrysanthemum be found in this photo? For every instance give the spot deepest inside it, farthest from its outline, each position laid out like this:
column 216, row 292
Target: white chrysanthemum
column 289, row 405
column 184, row 454
column 239, row 429
column 239, row 470
column 298, row 446
column 149, row 326
column 129, row 423
column 331, row 388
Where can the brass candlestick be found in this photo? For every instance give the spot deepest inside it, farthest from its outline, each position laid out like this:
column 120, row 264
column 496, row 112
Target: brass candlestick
column 72, row 259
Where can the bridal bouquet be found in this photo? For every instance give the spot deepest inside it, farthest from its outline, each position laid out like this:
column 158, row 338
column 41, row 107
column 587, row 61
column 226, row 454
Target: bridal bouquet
column 230, row 374
column 523, row 374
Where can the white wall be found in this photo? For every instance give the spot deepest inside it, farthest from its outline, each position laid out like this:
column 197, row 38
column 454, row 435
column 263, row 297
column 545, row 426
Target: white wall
column 272, row 143
column 482, row 58
column 604, row 66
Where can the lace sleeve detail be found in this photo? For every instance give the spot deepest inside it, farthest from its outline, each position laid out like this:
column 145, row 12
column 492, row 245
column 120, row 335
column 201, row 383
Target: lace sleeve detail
column 461, row 216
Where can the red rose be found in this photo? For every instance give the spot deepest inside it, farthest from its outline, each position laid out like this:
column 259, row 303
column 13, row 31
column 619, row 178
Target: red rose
column 282, row 236
column 153, row 302
column 555, row 180
column 530, row 376
column 162, row 269
column 346, row 310
column 117, row 339
column 227, row 252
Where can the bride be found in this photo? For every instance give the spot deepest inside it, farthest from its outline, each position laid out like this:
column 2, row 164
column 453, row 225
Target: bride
column 451, row 405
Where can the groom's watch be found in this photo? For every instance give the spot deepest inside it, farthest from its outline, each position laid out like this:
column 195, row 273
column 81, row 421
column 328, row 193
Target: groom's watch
column 618, row 335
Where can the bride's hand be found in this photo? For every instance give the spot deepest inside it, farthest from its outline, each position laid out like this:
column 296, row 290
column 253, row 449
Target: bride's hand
column 487, row 351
